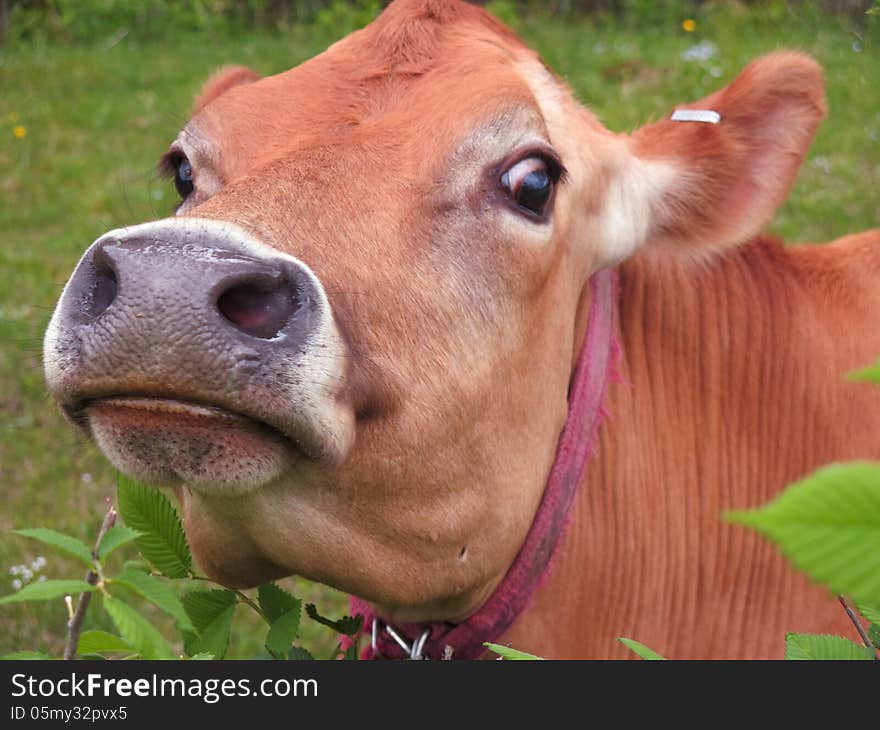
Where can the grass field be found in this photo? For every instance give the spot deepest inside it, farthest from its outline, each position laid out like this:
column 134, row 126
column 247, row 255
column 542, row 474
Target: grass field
column 82, row 125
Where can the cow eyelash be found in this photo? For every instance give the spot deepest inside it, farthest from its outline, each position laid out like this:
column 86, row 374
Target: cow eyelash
column 168, row 163
column 175, row 164
column 557, row 170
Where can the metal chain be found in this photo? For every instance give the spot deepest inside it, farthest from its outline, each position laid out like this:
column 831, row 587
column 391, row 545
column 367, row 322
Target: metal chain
column 414, row 650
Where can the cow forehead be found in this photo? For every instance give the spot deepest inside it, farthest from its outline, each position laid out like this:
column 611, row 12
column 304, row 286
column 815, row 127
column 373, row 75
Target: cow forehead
column 364, row 90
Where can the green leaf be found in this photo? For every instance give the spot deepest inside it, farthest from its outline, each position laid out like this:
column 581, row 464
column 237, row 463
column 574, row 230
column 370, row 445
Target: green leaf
column 297, row 653
column 24, row 655
column 142, row 565
column 828, row 525
column 869, row 374
column 143, row 637
column 214, row 639
column 47, row 590
column 282, row 632
column 204, row 656
column 116, row 537
column 203, row 607
column 511, row 654
column 275, row 601
column 874, row 635
column 211, row 613
column 348, row 625
column 163, row 543
column 100, row 642
column 66, row 544
column 157, row 592
column 872, row 613
column 640, row 649
column 823, row 646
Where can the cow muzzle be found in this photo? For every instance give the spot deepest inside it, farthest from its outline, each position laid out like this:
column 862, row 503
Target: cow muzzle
column 193, row 353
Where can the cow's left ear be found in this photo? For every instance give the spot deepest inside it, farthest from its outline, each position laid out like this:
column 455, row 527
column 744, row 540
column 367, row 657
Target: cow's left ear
column 222, row 81
column 713, row 172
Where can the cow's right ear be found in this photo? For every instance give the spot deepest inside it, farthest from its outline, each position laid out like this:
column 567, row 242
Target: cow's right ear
column 222, row 81
column 715, row 178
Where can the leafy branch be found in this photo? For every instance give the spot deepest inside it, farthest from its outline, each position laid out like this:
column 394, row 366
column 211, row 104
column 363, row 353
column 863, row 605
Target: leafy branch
column 74, row 625
column 203, row 614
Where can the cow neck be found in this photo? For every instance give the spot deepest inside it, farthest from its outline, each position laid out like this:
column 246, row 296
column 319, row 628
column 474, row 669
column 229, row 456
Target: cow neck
column 594, row 370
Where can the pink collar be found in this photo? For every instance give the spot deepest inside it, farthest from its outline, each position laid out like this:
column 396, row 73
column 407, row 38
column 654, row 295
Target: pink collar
column 441, row 640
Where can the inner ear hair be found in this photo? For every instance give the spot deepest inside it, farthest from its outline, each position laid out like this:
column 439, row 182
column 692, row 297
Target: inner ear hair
column 732, row 157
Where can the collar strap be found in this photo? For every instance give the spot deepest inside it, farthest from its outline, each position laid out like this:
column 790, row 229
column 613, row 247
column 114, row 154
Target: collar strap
column 441, row 640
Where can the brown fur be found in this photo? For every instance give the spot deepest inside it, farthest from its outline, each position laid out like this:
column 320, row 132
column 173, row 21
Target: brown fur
column 221, row 82
column 735, row 371
column 739, row 171
column 734, row 387
column 378, row 163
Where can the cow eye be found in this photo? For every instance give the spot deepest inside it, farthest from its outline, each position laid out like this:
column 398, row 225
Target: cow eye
column 183, row 177
column 529, row 183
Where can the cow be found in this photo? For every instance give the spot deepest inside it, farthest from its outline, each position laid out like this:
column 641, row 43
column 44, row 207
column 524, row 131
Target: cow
column 353, row 350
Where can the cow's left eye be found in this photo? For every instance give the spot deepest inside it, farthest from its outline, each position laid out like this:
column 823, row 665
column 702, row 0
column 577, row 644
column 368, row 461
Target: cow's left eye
column 183, row 178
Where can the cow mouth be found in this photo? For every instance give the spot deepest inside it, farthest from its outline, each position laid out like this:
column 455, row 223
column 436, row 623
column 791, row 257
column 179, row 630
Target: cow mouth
column 169, row 442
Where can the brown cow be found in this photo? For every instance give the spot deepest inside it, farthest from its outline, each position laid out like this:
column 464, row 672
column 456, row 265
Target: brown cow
column 352, row 347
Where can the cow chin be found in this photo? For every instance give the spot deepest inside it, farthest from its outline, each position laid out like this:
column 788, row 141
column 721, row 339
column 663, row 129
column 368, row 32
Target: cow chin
column 169, row 443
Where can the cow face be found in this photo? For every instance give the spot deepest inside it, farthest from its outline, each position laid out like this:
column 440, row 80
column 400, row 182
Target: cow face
column 350, row 348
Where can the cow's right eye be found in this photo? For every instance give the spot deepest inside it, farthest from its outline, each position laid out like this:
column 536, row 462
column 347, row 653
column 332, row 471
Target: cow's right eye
column 183, row 177
column 529, row 183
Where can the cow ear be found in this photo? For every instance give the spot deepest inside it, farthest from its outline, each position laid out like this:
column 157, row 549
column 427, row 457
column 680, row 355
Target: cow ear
column 222, row 81
column 715, row 178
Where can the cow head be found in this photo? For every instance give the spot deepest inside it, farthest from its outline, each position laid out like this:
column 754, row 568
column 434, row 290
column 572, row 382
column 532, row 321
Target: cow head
column 350, row 349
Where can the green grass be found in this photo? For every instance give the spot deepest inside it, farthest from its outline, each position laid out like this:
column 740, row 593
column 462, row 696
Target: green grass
column 97, row 118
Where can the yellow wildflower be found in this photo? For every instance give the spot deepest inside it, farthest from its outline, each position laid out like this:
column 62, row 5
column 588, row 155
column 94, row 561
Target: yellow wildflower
column 689, row 25
column 19, row 131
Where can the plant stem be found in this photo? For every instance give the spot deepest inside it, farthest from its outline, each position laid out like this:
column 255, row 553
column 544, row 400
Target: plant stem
column 858, row 625
column 74, row 625
column 244, row 599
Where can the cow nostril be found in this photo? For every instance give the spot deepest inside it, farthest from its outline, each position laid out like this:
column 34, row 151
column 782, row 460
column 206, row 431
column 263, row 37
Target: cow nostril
column 103, row 290
column 260, row 311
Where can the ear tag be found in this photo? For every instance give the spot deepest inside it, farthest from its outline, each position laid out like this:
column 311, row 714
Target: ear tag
column 696, row 115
